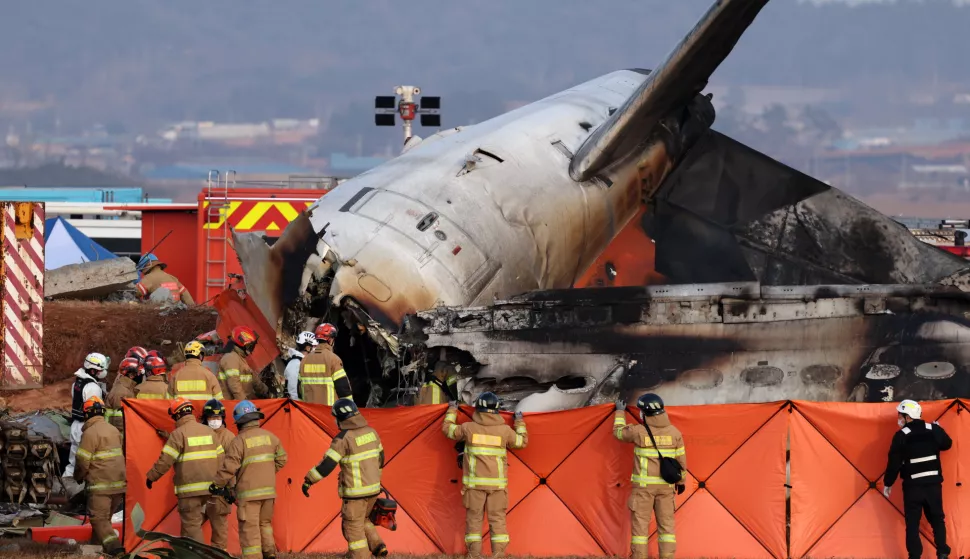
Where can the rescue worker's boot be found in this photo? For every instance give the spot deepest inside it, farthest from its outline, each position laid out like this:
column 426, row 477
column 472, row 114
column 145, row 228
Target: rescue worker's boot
column 380, row 551
column 496, row 504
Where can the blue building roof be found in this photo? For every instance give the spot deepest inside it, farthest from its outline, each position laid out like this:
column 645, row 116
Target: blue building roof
column 120, row 195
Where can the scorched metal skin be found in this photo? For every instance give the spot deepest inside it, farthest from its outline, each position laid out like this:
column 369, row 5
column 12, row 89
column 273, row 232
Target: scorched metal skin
column 532, row 199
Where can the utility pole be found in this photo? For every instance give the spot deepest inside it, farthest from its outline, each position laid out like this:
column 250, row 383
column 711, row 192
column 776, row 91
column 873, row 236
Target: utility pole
column 407, row 108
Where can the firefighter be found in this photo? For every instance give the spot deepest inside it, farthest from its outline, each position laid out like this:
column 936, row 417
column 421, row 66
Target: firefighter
column 442, row 387
column 484, row 479
column 652, row 493
column 252, row 459
column 240, row 380
column 193, row 449
column 124, row 387
column 914, row 455
column 217, row 509
column 86, row 385
column 358, row 450
column 305, row 341
column 322, row 376
column 154, row 277
column 154, row 386
column 194, row 382
column 101, row 466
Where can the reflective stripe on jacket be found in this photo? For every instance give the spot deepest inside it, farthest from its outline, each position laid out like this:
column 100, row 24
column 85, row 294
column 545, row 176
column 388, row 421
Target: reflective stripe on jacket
column 360, row 453
column 486, row 437
column 253, row 458
column 646, row 460
column 194, row 450
column 100, row 463
column 195, row 382
column 318, row 371
column 123, row 388
column 153, row 388
column 239, row 378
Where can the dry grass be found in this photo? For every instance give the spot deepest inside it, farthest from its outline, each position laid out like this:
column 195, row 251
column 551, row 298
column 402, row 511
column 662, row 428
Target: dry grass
column 72, row 329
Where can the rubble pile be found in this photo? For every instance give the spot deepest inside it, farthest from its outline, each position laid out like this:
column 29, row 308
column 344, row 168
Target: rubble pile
column 72, row 329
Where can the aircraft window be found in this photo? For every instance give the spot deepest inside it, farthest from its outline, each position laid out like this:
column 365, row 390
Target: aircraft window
column 440, row 235
column 935, row 370
column 427, row 221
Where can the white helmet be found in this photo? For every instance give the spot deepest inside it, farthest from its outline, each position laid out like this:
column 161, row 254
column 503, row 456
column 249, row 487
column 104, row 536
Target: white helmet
column 910, row 408
column 96, row 362
column 306, row 338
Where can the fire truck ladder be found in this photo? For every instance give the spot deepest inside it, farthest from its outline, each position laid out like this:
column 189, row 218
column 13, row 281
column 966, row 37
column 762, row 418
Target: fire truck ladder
column 217, row 238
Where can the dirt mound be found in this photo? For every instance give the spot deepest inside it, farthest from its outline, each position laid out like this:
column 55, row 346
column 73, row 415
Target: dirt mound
column 72, row 329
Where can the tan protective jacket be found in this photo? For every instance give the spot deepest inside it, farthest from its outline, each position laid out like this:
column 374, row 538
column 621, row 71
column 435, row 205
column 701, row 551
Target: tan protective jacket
column 646, row 459
column 239, row 378
column 123, row 388
column 223, row 438
column 153, row 388
column 157, row 278
column 100, row 463
column 253, row 458
column 195, row 382
column 194, row 450
column 358, row 450
column 486, row 437
column 318, row 371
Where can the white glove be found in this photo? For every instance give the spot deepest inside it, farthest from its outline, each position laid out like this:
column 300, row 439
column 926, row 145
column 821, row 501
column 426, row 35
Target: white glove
column 887, row 490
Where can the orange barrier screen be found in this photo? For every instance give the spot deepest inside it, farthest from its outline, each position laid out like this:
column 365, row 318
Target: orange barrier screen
column 568, row 490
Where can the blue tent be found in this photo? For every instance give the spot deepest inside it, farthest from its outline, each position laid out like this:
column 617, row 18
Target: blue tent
column 64, row 244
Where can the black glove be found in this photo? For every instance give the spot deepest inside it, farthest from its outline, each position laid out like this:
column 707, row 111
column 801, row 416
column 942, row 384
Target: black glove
column 306, row 488
column 681, row 488
column 148, row 483
column 213, row 489
column 620, row 405
column 461, row 460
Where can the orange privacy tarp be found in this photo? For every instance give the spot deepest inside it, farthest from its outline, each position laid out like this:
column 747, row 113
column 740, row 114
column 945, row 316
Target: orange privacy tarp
column 568, row 490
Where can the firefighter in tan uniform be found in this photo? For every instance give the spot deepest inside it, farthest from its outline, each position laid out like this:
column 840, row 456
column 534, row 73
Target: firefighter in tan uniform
column 322, row 376
column 124, row 387
column 239, row 379
column 651, row 492
column 442, row 387
column 217, row 509
column 252, row 459
column 358, row 450
column 154, row 387
column 100, row 464
column 154, row 277
column 484, row 480
column 194, row 381
column 193, row 450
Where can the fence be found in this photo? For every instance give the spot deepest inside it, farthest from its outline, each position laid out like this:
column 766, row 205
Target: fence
column 568, row 489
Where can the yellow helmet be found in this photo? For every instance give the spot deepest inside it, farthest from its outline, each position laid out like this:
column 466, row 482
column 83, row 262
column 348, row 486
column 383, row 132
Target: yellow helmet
column 194, row 349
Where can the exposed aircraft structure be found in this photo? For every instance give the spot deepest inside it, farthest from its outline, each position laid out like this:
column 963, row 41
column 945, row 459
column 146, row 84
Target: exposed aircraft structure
column 615, row 182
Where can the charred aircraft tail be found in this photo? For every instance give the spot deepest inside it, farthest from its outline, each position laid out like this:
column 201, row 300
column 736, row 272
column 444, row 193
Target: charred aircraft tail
column 729, row 213
column 671, row 85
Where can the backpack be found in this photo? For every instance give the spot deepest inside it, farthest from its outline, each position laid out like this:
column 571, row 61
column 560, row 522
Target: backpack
column 670, row 468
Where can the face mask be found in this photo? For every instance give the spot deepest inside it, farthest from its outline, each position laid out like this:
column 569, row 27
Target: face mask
column 901, row 421
column 215, row 423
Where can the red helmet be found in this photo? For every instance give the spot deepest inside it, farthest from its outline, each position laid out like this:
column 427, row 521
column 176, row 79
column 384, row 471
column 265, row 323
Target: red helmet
column 137, row 352
column 154, row 365
column 326, row 332
column 131, row 367
column 244, row 337
column 179, row 407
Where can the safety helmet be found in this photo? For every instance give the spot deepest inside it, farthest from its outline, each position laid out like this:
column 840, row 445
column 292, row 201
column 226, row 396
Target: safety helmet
column 193, row 349
column 344, row 409
column 487, row 402
column 180, row 407
column 326, row 332
column 131, row 367
column 306, row 338
column 246, row 411
column 213, row 408
column 154, row 365
column 910, row 408
column 93, row 406
column 650, row 404
column 98, row 363
column 137, row 352
column 147, row 262
column 244, row 337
